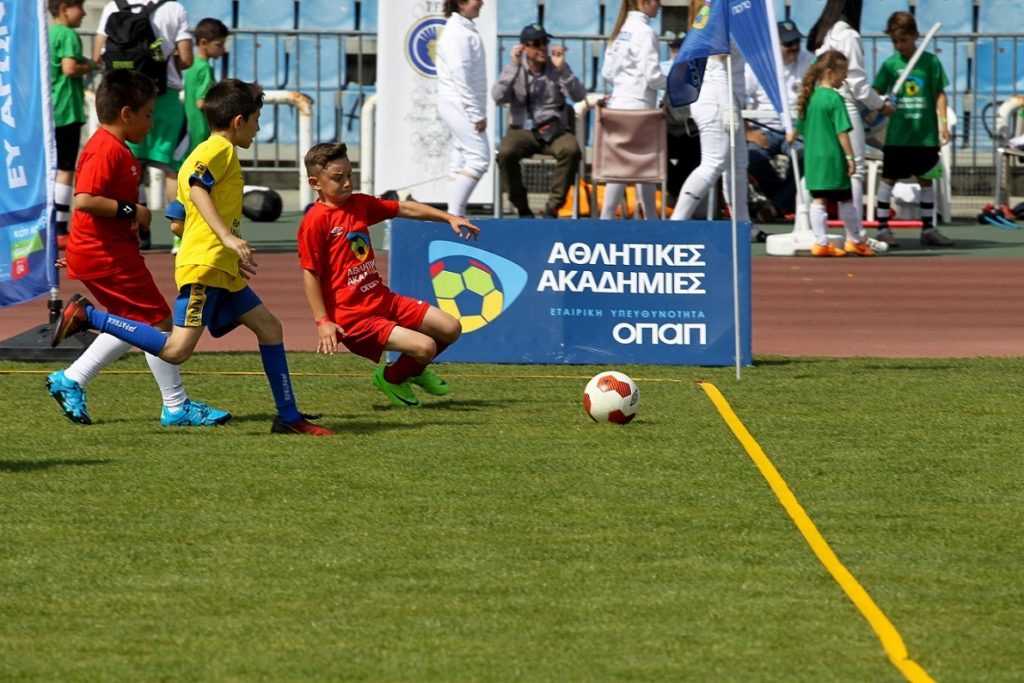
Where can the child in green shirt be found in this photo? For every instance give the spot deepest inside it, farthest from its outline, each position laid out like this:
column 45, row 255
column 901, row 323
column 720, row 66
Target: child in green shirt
column 916, row 130
column 67, row 67
column 828, row 154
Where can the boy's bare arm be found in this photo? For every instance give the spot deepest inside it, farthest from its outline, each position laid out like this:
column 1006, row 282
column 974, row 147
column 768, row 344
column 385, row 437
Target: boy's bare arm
column 410, row 209
column 941, row 106
column 204, row 204
column 326, row 330
column 105, row 207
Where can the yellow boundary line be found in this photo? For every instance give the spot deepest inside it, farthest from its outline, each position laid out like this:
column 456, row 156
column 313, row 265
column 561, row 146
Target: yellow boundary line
column 883, row 628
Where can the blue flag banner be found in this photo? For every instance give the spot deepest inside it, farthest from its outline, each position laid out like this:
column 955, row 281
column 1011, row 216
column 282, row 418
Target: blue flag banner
column 709, row 35
column 27, row 245
column 584, row 291
column 753, row 28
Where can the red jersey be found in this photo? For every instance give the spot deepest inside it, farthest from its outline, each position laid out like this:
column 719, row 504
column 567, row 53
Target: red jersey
column 99, row 247
column 334, row 245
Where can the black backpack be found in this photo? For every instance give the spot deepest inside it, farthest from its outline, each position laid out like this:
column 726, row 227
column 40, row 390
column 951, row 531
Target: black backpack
column 132, row 44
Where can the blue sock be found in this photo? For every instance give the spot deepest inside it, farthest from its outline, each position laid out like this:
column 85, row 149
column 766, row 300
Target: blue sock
column 275, row 364
column 139, row 335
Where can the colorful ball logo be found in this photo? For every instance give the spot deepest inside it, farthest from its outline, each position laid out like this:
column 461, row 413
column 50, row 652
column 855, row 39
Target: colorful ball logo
column 472, row 285
column 421, row 44
column 467, row 290
column 912, row 87
column 359, row 243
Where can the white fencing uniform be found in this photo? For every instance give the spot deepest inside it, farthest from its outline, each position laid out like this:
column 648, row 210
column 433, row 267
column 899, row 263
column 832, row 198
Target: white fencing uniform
column 856, row 90
column 711, row 112
column 632, row 66
column 461, row 103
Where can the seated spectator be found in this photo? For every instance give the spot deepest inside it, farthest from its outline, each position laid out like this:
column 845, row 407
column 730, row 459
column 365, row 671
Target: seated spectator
column 766, row 138
column 536, row 86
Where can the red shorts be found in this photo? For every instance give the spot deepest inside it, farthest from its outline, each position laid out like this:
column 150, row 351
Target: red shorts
column 130, row 295
column 369, row 335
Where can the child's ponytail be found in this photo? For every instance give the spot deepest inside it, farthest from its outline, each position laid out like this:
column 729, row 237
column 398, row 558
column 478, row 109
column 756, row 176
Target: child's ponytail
column 830, row 60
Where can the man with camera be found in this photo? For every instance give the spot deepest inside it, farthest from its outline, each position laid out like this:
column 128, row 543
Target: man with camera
column 536, row 85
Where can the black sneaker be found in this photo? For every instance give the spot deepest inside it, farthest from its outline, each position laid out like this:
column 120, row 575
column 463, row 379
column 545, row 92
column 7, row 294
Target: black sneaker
column 303, row 426
column 73, row 319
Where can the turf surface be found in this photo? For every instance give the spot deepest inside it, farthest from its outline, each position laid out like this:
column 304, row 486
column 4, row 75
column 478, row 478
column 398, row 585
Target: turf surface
column 496, row 534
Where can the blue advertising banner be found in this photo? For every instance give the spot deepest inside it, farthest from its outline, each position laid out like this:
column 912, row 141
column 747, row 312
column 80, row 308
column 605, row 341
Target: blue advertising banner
column 26, row 135
column 583, row 291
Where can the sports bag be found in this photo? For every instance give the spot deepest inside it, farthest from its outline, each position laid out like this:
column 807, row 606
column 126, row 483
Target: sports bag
column 132, row 43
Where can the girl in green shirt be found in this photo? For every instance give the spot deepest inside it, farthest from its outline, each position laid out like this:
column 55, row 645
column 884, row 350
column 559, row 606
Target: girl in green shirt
column 828, row 154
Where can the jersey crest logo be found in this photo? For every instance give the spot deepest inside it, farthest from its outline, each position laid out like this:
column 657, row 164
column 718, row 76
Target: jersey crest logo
column 472, row 285
column 359, row 243
column 421, row 44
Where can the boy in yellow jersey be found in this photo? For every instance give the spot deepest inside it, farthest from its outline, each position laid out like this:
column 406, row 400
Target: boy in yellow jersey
column 214, row 263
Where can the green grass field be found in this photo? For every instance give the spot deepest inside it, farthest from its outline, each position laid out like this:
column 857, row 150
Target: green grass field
column 496, row 534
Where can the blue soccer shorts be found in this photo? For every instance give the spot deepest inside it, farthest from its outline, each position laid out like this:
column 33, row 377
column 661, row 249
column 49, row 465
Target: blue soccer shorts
column 216, row 308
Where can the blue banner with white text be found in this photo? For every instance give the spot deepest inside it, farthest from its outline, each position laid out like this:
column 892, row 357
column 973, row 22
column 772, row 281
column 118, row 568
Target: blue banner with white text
column 26, row 246
column 584, row 291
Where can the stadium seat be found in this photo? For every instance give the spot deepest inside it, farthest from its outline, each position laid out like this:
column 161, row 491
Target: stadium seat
column 953, row 52
column 805, row 13
column 572, row 17
column 327, row 116
column 368, row 16
column 515, row 14
column 319, row 62
column 999, row 66
column 352, row 101
column 215, row 9
column 780, row 10
column 333, row 15
column 267, row 14
column 956, row 16
column 1000, row 16
column 262, row 57
column 876, row 13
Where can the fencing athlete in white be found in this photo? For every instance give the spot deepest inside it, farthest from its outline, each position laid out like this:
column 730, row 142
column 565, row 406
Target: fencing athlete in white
column 711, row 112
column 840, row 22
column 462, row 100
column 631, row 65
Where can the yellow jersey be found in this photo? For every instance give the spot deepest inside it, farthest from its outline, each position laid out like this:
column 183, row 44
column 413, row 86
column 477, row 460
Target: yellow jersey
column 202, row 257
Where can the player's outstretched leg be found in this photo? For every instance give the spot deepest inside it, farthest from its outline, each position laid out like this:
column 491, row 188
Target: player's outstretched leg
column 70, row 396
column 73, row 319
column 399, row 394
column 431, row 383
column 193, row 414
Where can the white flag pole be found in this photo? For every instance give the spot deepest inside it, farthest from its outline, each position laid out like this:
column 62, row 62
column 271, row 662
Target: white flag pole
column 733, row 133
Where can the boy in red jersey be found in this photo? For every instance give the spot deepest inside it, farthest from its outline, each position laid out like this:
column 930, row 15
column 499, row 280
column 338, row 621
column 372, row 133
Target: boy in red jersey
column 349, row 300
column 103, row 252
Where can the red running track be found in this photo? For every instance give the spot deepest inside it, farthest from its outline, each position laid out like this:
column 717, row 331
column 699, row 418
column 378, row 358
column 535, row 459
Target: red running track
column 888, row 306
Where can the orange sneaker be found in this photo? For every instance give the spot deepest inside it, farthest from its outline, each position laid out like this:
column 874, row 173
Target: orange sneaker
column 858, row 248
column 826, row 250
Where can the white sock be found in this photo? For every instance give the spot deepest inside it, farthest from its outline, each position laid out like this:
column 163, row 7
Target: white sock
column 63, row 195
column 104, row 350
column 613, row 194
column 857, row 189
column 648, row 195
column 851, row 221
column 819, row 223
column 168, row 378
column 459, row 189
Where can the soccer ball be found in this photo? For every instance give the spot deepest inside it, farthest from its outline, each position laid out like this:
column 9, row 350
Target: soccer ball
column 611, row 396
column 467, row 290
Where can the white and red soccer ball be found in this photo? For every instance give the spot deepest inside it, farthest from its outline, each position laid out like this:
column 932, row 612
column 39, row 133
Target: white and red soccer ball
column 611, row 396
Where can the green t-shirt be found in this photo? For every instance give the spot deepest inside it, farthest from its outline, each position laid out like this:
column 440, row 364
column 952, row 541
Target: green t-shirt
column 67, row 93
column 915, row 123
column 824, row 159
column 198, row 79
